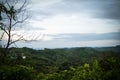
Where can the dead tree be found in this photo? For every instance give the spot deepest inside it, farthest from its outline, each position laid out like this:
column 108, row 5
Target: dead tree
column 12, row 14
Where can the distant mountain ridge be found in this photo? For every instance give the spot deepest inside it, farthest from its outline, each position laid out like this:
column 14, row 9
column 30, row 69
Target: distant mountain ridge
column 114, row 49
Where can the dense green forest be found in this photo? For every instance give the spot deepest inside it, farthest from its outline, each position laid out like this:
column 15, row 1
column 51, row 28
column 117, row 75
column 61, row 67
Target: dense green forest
column 83, row 63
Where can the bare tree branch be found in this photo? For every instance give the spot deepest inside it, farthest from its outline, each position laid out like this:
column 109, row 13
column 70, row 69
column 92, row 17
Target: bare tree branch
column 2, row 27
column 8, row 3
column 21, row 8
column 19, row 21
column 2, row 35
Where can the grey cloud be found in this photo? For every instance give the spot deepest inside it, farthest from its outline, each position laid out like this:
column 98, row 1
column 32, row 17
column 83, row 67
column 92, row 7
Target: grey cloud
column 28, row 27
column 110, row 9
column 34, row 28
column 40, row 15
column 76, row 40
column 87, row 37
column 105, row 9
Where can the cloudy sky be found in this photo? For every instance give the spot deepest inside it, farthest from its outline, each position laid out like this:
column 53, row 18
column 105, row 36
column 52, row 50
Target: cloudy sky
column 74, row 23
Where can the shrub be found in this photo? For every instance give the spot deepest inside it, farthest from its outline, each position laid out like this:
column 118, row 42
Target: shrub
column 18, row 72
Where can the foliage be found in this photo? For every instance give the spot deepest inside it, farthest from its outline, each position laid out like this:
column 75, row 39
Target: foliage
column 111, row 66
column 18, row 72
column 61, row 64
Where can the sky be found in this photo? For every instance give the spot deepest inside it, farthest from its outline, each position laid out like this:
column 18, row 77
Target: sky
column 73, row 23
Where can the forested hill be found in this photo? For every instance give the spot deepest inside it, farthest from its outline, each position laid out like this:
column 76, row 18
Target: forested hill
column 84, row 63
column 71, row 56
column 62, row 58
column 105, row 49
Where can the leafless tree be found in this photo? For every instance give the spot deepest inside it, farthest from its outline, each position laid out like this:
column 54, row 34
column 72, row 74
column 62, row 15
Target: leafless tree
column 12, row 14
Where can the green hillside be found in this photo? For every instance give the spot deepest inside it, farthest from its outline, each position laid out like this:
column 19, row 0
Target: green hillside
column 83, row 63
